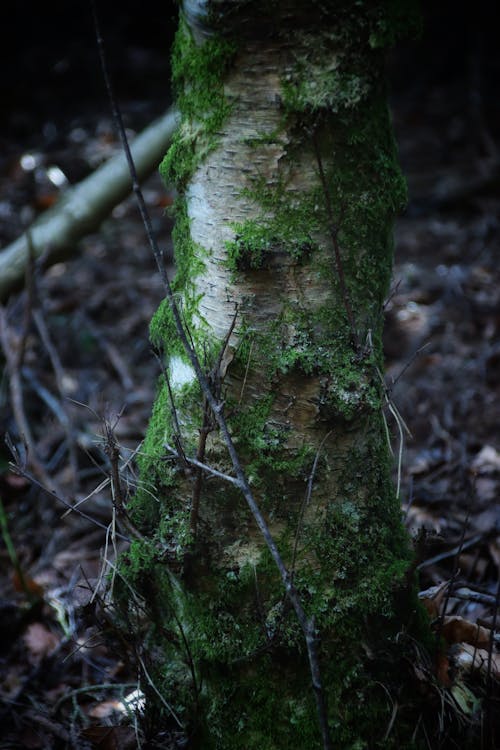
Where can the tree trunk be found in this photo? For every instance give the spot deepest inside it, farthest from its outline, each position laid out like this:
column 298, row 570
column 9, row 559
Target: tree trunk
column 288, row 185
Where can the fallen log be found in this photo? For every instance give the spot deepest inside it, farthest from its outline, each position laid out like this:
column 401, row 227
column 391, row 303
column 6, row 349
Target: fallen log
column 82, row 208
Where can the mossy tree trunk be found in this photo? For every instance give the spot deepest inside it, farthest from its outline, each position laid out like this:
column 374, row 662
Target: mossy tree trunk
column 288, row 184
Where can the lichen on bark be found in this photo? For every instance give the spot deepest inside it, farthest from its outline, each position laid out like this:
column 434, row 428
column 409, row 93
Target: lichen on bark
column 293, row 95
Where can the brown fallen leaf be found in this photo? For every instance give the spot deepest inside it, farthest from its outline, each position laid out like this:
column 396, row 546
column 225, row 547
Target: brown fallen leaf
column 433, row 598
column 457, row 629
column 40, row 641
column 470, row 659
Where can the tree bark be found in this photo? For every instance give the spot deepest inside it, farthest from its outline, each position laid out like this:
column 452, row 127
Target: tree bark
column 288, row 185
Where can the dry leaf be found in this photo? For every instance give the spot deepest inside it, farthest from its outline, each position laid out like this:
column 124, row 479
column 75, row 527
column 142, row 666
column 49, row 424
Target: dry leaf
column 432, row 598
column 456, row 629
column 40, row 641
column 468, row 658
column 30, row 585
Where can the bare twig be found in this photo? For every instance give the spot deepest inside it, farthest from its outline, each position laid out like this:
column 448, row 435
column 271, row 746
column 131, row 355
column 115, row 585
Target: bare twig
column 452, row 552
column 82, row 208
column 401, row 425
column 220, row 371
column 467, row 594
column 217, row 378
column 13, row 360
column 247, row 368
column 173, row 409
column 206, row 427
column 213, row 472
column 408, row 364
column 456, row 568
column 57, row 367
column 113, row 452
column 73, row 508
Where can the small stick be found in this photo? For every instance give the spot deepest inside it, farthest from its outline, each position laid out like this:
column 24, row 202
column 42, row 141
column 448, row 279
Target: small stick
column 205, row 467
column 73, row 508
column 13, row 360
column 57, row 367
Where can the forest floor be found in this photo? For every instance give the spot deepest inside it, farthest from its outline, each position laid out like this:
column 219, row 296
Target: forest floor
column 86, row 366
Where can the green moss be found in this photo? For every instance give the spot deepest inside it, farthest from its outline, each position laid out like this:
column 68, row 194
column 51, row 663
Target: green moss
column 257, row 245
column 189, row 264
column 337, row 66
column 263, row 443
column 197, row 75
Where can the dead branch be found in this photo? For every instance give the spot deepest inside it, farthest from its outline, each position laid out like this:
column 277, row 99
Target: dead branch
column 18, row 469
column 57, row 367
column 83, row 207
column 13, row 357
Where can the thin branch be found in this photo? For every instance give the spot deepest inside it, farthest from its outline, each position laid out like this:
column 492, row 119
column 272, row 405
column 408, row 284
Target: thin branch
column 452, row 552
column 13, row 361
column 204, row 467
column 206, row 427
column 217, row 378
column 23, row 473
column 247, row 368
column 112, row 450
column 57, row 367
column 408, row 364
column 218, row 374
column 81, row 209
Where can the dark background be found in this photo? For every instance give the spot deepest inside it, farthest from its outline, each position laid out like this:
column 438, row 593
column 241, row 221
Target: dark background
column 50, row 69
